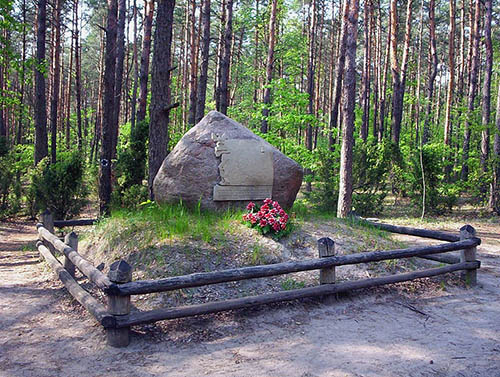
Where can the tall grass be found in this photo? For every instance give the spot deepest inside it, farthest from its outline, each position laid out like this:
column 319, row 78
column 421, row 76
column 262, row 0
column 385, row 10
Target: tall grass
column 160, row 222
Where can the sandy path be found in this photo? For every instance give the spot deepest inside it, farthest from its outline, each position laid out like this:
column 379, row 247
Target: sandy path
column 374, row 333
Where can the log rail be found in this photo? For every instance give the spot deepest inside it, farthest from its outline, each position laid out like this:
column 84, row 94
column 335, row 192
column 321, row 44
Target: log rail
column 117, row 319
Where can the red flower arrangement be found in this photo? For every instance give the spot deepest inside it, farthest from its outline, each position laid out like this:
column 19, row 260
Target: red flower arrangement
column 270, row 218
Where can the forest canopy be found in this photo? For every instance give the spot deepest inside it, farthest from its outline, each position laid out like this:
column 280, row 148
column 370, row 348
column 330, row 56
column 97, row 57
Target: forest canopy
column 372, row 98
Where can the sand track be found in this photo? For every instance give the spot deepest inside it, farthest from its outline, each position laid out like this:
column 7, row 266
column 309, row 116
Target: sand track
column 384, row 332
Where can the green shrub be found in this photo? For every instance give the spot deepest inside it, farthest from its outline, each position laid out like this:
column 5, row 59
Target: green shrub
column 131, row 169
column 370, row 170
column 439, row 196
column 326, row 192
column 59, row 187
column 131, row 197
column 14, row 164
column 369, row 203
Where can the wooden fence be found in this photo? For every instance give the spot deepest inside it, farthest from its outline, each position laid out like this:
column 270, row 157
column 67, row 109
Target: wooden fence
column 117, row 318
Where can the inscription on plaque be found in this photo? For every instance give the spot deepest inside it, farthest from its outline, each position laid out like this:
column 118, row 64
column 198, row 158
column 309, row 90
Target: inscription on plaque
column 246, row 170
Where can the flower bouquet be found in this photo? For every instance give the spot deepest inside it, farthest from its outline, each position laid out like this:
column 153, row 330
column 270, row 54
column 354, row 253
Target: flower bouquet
column 269, row 219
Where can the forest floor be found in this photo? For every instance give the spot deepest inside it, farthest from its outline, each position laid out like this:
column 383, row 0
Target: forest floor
column 422, row 328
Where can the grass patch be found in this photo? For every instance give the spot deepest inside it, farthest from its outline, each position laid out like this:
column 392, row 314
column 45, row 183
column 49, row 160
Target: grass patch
column 155, row 223
column 303, row 209
column 290, row 283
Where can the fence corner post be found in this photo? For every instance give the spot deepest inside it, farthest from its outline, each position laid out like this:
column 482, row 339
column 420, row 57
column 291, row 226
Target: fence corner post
column 48, row 220
column 119, row 272
column 326, row 248
column 468, row 255
column 71, row 239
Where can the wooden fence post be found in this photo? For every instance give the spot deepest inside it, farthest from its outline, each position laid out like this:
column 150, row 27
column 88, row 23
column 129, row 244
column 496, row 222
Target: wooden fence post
column 468, row 255
column 48, row 220
column 326, row 248
column 119, row 272
column 71, row 239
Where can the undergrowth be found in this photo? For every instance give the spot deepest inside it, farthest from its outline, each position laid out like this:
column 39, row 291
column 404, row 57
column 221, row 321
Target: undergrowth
column 168, row 221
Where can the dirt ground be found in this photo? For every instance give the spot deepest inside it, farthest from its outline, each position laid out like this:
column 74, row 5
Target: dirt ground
column 413, row 329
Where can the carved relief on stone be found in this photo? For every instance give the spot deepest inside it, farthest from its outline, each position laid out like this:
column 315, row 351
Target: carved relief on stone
column 246, row 169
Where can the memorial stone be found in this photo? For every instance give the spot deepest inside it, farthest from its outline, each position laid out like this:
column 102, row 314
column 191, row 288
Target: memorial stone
column 220, row 163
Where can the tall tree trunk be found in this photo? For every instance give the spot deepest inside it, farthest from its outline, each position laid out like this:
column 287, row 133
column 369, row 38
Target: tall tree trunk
column 67, row 98
column 78, row 80
column 149, row 8
column 461, row 67
column 20, row 127
column 56, row 65
column 205, row 48
column 100, row 92
column 220, row 48
column 485, row 119
column 474, row 68
column 349, row 93
column 383, row 86
column 160, row 89
column 135, row 85
column 310, row 81
column 108, row 109
column 494, row 202
column 183, row 80
column 451, row 86
column 331, row 72
column 256, row 54
column 377, row 47
column 433, row 63
column 193, row 71
column 365, row 80
column 339, row 72
column 3, row 126
column 226, row 58
column 419, row 75
column 120, row 56
column 269, row 66
column 399, row 73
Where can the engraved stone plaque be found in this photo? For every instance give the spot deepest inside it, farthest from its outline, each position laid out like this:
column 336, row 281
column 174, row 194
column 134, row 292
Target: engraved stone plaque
column 246, row 170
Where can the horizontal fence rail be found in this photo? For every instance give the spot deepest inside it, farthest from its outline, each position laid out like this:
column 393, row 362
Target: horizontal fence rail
column 78, row 222
column 424, row 233
column 81, row 295
column 94, row 275
column 243, row 273
column 443, row 258
column 117, row 318
column 137, row 318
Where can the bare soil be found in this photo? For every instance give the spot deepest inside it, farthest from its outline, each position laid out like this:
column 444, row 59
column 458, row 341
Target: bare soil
column 430, row 327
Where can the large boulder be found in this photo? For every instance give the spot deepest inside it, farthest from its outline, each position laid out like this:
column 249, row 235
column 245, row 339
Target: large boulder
column 191, row 170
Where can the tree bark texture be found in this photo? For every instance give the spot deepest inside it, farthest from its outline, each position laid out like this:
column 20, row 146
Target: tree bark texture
column 433, row 64
column 78, row 80
column 269, row 66
column 205, row 48
column 339, row 72
column 365, row 80
column 399, row 73
column 226, row 58
column 486, row 100
column 120, row 56
column 56, row 66
column 41, row 142
column 473, row 82
column 349, row 93
column 494, row 203
column 451, row 81
column 160, row 89
column 193, row 70
column 149, row 7
column 108, row 108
